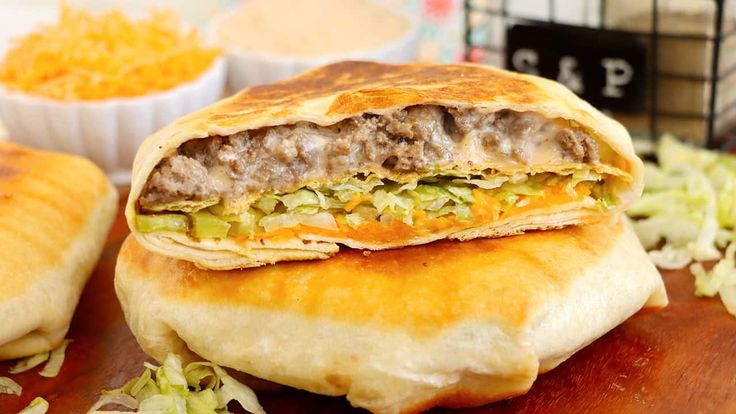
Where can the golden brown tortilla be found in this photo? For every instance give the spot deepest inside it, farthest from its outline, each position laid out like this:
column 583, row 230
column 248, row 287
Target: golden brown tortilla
column 55, row 211
column 451, row 323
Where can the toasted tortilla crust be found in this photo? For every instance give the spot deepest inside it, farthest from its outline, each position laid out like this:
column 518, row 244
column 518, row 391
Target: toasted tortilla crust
column 449, row 323
column 55, row 211
column 335, row 92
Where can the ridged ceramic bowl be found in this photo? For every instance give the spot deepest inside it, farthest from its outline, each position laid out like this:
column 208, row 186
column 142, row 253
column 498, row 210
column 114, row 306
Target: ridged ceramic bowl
column 106, row 131
column 247, row 68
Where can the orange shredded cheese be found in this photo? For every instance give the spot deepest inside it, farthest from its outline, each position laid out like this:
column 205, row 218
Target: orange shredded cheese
column 89, row 57
column 553, row 196
column 485, row 207
column 354, row 201
column 377, row 232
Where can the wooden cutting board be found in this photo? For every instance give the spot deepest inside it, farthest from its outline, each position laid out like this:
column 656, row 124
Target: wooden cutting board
column 680, row 359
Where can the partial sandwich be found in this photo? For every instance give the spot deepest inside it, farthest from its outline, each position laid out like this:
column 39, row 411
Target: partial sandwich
column 453, row 324
column 55, row 212
column 376, row 156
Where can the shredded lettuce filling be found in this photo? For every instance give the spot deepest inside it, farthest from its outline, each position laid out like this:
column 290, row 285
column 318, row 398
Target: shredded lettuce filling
column 362, row 200
column 688, row 212
column 198, row 388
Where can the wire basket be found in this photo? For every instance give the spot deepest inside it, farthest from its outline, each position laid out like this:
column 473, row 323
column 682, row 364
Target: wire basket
column 657, row 66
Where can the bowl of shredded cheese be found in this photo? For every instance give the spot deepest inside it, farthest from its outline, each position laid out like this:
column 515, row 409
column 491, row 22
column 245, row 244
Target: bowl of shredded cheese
column 270, row 40
column 98, row 84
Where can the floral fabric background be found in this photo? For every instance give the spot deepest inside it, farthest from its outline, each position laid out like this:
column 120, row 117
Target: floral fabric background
column 443, row 29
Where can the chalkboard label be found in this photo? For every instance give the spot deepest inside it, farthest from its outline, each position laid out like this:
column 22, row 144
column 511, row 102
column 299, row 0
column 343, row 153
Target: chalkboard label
column 608, row 69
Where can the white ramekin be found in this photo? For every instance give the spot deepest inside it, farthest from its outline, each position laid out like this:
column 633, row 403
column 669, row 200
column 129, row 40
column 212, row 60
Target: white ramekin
column 250, row 68
column 106, row 131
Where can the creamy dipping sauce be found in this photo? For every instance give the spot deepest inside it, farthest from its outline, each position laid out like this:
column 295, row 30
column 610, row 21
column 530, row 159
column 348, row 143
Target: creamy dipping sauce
column 310, row 27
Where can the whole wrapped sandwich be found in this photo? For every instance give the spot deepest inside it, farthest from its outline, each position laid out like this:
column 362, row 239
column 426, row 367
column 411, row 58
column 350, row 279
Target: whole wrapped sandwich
column 376, row 156
column 398, row 331
column 55, row 212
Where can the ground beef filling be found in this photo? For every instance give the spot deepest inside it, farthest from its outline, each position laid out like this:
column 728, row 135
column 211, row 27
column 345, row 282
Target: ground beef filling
column 417, row 138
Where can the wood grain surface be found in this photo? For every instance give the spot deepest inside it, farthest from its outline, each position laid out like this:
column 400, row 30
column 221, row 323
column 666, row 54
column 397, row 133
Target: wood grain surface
column 678, row 360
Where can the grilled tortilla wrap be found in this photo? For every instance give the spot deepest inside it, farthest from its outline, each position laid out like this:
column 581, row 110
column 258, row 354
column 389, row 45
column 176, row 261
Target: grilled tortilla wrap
column 55, row 212
column 449, row 323
column 376, row 156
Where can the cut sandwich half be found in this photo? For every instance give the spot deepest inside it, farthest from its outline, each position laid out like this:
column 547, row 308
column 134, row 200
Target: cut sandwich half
column 376, row 156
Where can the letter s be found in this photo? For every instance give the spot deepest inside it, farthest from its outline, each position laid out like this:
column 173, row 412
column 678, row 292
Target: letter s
column 525, row 60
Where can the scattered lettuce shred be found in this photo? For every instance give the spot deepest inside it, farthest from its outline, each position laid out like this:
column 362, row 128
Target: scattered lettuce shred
column 197, row 388
column 28, row 363
column 688, row 212
column 720, row 280
column 37, row 406
column 55, row 360
column 8, row 386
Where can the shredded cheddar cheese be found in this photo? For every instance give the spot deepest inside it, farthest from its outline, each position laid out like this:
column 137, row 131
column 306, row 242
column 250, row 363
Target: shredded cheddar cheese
column 553, row 196
column 90, row 57
column 357, row 199
column 485, row 207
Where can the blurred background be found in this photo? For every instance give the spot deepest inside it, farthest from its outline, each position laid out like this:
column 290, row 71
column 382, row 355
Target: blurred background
column 442, row 26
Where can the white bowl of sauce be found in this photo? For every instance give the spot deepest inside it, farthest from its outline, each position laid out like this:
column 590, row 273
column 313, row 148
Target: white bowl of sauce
column 271, row 40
